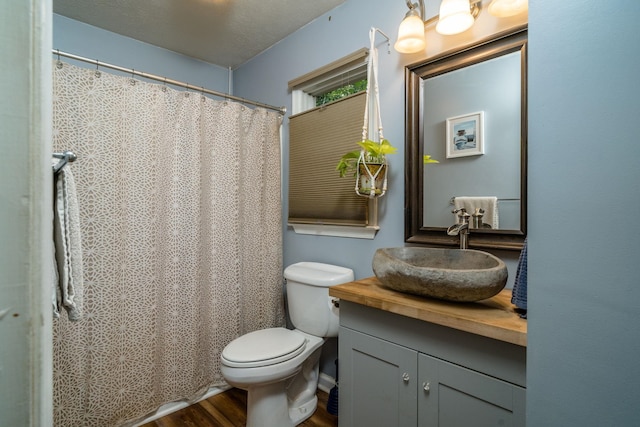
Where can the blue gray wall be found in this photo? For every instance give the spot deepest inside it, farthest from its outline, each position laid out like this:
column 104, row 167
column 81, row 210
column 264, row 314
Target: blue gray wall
column 584, row 199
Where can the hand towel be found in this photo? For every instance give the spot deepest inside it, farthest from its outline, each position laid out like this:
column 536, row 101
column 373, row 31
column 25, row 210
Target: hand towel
column 519, row 293
column 489, row 204
column 67, row 278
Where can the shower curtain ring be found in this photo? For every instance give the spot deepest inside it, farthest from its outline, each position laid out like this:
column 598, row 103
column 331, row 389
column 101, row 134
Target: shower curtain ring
column 58, row 62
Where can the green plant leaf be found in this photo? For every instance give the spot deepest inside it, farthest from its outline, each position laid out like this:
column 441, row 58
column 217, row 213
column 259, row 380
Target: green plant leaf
column 428, row 159
column 387, row 148
column 378, row 148
column 375, row 151
column 348, row 161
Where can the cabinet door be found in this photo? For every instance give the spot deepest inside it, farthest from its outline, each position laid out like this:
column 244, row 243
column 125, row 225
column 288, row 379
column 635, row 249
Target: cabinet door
column 378, row 382
column 453, row 396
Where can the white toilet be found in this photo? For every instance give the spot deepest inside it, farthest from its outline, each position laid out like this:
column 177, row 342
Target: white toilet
column 279, row 367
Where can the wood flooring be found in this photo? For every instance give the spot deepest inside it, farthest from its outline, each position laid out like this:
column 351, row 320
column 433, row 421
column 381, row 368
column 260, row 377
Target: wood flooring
column 228, row 409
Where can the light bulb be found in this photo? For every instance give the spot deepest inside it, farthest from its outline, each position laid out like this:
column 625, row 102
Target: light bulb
column 410, row 34
column 455, row 17
column 506, row 8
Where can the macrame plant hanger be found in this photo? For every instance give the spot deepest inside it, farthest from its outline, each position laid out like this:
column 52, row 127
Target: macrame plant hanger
column 373, row 170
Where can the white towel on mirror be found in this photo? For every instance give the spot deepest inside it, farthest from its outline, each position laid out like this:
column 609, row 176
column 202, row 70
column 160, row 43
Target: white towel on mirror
column 67, row 277
column 488, row 203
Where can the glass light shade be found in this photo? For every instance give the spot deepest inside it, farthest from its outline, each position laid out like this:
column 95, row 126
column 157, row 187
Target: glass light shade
column 505, row 8
column 410, row 35
column 455, row 17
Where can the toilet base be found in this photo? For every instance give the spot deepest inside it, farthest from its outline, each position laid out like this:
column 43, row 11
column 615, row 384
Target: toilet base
column 288, row 402
column 268, row 406
column 304, row 411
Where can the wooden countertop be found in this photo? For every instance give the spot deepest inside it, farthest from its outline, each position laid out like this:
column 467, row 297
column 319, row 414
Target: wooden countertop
column 494, row 317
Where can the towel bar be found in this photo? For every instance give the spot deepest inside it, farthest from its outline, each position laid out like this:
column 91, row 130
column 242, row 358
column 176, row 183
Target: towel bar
column 452, row 201
column 65, row 157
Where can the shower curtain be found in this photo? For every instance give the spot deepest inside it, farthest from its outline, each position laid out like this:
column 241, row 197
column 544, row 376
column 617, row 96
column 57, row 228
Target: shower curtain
column 180, row 218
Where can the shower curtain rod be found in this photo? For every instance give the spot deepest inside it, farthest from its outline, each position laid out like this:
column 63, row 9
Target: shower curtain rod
column 97, row 63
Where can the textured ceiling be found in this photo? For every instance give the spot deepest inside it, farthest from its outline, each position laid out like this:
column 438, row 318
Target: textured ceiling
column 223, row 32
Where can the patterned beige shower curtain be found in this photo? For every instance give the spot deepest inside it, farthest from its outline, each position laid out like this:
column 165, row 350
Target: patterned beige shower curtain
column 180, row 217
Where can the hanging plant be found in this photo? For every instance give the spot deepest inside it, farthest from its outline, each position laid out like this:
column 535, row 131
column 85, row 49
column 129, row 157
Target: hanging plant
column 373, row 152
column 369, row 163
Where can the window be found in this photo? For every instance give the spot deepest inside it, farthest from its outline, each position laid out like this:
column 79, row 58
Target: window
column 320, row 202
column 341, row 92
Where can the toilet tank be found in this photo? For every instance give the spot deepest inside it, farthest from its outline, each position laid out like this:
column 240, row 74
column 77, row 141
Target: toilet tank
column 310, row 308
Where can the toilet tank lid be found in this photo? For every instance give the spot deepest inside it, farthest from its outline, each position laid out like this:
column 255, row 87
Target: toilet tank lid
column 318, row 274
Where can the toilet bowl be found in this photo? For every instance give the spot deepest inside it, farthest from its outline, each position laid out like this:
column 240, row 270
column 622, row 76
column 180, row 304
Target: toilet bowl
column 279, row 367
column 269, row 381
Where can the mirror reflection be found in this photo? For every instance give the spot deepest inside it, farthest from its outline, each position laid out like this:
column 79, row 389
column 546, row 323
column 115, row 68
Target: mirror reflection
column 468, row 110
column 470, row 107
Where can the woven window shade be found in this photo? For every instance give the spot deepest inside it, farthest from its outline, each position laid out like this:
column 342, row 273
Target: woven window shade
column 317, row 140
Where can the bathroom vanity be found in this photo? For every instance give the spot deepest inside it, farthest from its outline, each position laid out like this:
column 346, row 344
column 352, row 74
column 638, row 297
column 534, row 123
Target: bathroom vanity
column 412, row 361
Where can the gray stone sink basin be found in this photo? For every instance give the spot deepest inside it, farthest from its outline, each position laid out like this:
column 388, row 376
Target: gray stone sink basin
column 461, row 275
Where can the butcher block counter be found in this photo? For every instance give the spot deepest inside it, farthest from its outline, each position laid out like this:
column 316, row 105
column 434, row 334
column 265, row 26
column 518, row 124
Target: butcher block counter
column 492, row 318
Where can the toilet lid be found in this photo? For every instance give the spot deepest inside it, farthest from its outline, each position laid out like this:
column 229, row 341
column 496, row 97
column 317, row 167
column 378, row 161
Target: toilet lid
column 263, row 347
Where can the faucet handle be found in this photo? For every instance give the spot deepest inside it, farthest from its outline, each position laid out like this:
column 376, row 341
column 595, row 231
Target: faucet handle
column 463, row 216
column 476, row 221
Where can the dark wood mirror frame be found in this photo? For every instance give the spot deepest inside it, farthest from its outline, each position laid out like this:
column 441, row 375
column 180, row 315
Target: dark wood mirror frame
column 415, row 231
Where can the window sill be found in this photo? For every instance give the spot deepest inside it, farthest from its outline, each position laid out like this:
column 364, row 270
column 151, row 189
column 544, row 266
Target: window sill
column 353, row 232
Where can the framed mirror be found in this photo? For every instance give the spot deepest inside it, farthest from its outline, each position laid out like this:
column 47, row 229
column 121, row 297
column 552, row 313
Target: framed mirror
column 468, row 110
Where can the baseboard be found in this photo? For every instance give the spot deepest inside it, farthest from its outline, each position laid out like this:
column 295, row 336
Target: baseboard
column 326, row 382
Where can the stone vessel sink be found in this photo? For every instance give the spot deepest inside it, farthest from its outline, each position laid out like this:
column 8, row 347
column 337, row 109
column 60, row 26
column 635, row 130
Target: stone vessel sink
column 461, row 275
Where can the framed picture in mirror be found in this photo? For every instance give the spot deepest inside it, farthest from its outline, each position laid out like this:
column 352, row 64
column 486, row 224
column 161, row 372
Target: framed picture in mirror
column 465, row 135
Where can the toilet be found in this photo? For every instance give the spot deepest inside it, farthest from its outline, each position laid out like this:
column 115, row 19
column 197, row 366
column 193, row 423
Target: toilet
column 279, row 367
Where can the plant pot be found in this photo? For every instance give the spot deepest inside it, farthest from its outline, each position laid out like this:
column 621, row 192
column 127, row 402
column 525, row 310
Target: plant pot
column 374, row 178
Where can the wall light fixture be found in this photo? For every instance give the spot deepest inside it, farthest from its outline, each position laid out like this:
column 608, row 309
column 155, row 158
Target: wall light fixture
column 455, row 17
column 506, row 8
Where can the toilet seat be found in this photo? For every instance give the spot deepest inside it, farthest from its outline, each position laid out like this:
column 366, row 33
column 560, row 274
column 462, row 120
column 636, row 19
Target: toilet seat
column 263, row 348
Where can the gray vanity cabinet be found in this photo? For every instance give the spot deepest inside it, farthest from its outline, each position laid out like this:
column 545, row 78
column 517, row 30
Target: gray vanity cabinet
column 454, row 396
column 379, row 378
column 397, row 371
